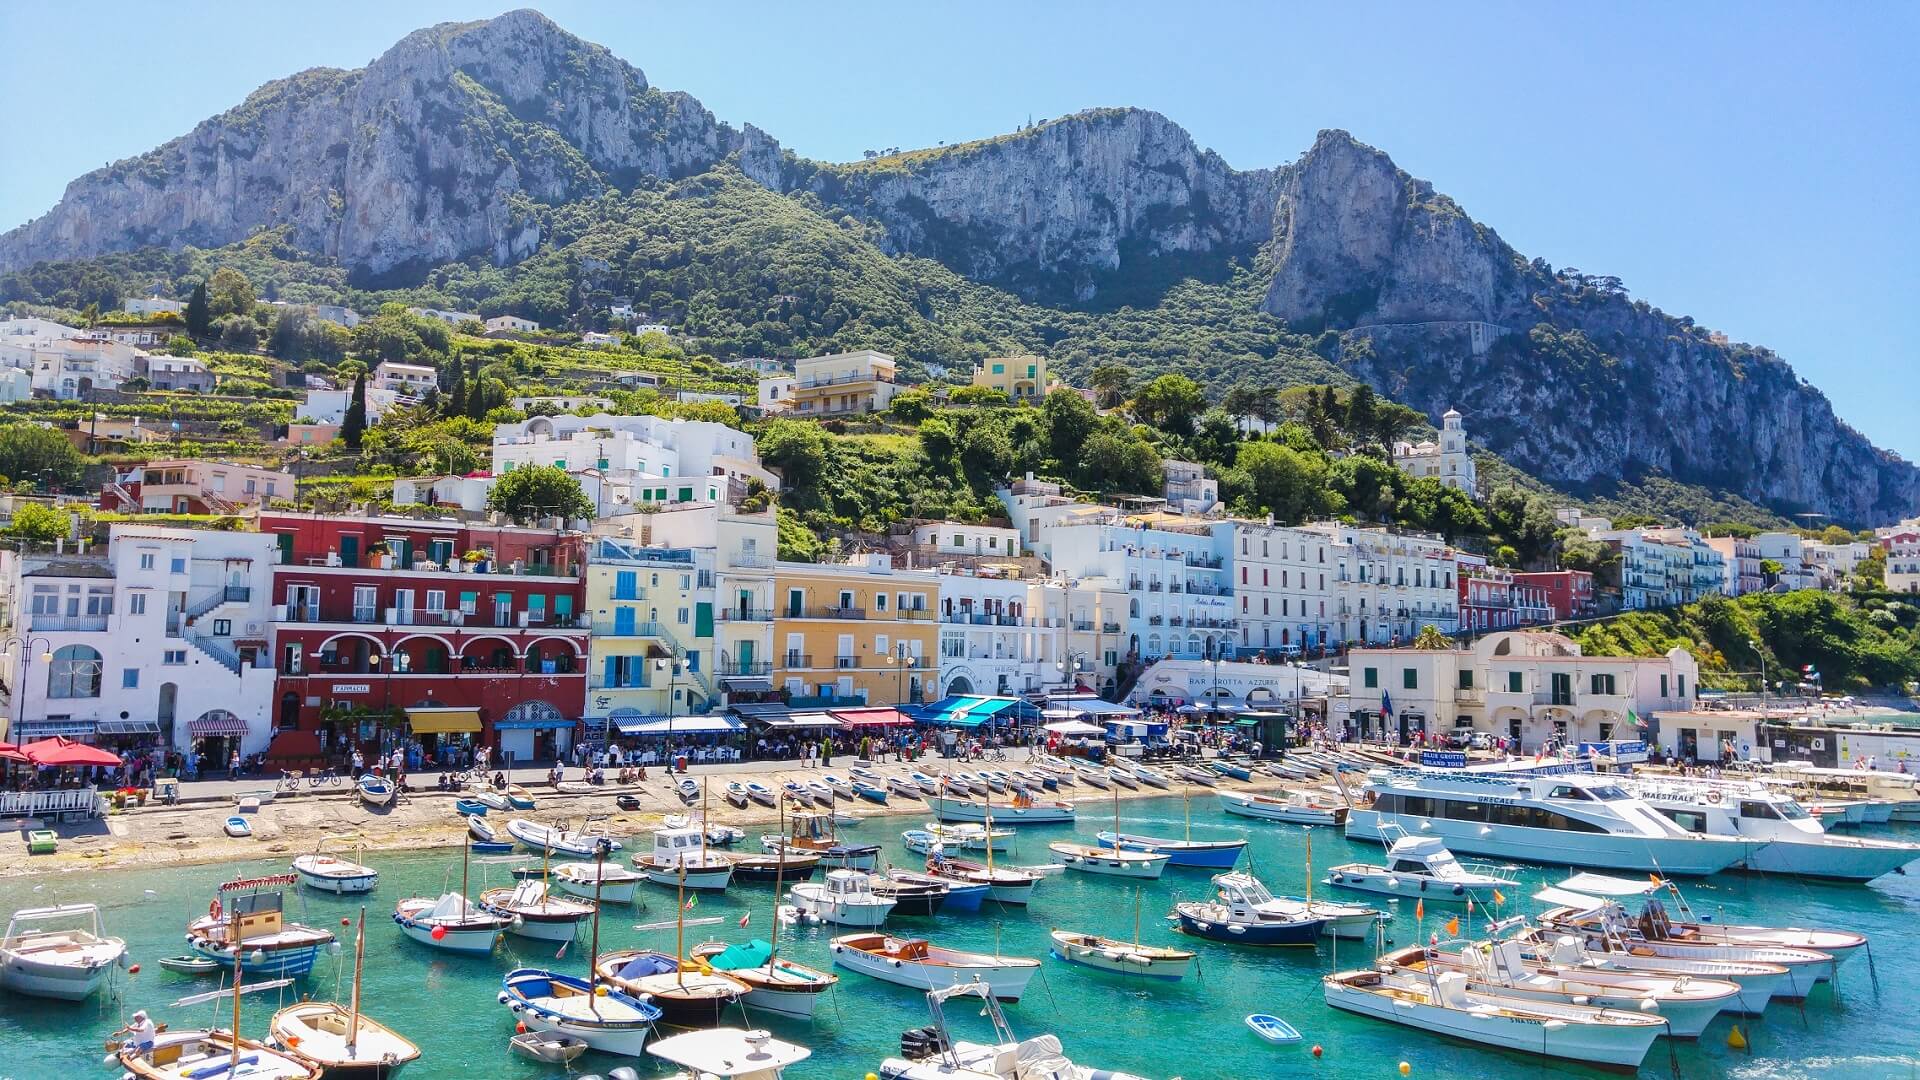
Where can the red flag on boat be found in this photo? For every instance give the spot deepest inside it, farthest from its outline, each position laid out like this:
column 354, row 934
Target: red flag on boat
column 744, row 918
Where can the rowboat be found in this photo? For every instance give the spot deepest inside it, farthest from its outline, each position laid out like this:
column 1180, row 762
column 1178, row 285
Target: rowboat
column 238, row 827
column 58, row 952
column 1272, row 1028
column 919, row 963
column 1121, row 957
column 492, row 800
column 760, row 793
column 537, row 913
column 1213, row 854
column 955, row 838
column 774, row 984
column 737, row 795
column 961, row 895
column 484, row 839
column 1151, row 776
column 870, row 792
column 1021, row 811
column 927, row 784
column 607, row 883
column 189, row 964
column 557, row 841
column 1123, row 777
column 1093, row 775
column 374, row 790
column 548, row 1047
column 1111, row 861
column 904, row 787
column 822, row 794
column 1232, row 770
column 1298, row 808
column 1204, row 777
column 469, row 808
column 1423, row 868
column 767, row 869
column 797, row 792
column 609, row 1021
column 837, row 785
column 330, row 874
column 519, row 798
column 340, row 1040
column 685, row 995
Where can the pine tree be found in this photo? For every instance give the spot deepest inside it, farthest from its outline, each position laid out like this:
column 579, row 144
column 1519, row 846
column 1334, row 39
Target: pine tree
column 457, row 394
column 354, row 424
column 199, row 312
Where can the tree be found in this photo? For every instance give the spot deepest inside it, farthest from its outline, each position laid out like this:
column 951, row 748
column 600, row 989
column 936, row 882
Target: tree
column 180, row 345
column 38, row 455
column 199, row 313
column 1170, row 403
column 1390, row 419
column 1119, row 461
column 911, row 406
column 1246, row 399
column 42, row 524
column 1110, row 382
column 1431, row 639
column 1268, row 478
column 977, row 396
column 1069, row 419
column 229, row 293
column 238, row 333
column 538, row 491
column 1360, row 414
column 354, row 424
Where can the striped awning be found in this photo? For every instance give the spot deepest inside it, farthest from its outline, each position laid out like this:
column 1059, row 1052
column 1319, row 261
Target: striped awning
column 216, row 725
column 540, row 723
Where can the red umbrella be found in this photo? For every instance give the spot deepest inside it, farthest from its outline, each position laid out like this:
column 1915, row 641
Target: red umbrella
column 63, row 751
column 10, row 752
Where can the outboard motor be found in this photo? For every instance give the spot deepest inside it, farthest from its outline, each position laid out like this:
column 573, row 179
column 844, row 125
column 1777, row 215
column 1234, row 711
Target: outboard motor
column 918, row 1044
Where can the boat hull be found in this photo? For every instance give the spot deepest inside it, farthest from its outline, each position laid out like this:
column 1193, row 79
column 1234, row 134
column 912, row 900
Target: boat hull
column 338, row 881
column 1381, row 882
column 864, row 916
column 1839, row 860
column 1119, row 958
column 1275, row 935
column 1005, row 984
column 627, row 1038
column 1626, row 1046
column 60, row 982
column 1197, row 854
column 1123, row 863
column 610, row 892
column 1666, row 856
column 703, row 880
column 315, row 1032
column 961, row 810
column 1247, row 806
column 290, row 963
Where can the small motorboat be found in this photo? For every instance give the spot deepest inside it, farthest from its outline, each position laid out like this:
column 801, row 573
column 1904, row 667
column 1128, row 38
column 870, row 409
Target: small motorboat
column 813, row 834
column 773, row 869
column 1423, row 868
column 1272, row 1028
column 921, row 898
column 686, row 995
column 1121, row 957
column 537, row 913
column 188, row 964
column 1298, row 808
column 955, row 838
column 737, row 794
column 451, row 922
column 374, row 790
column 470, row 808
column 548, row 1047
column 58, row 952
column 761, row 794
column 335, row 875
column 846, row 898
column 679, row 860
column 870, row 792
column 607, row 883
column 1245, row 913
column 238, row 827
column 921, row 964
column 553, row 840
column 1007, row 885
column 484, row 840
column 775, row 984
column 609, row 1020
column 961, row 895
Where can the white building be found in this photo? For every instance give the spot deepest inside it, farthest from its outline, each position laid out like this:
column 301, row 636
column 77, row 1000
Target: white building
column 1787, row 549
column 561, row 402
column 1187, row 488
column 1388, row 586
column 1285, row 583
column 991, row 642
column 64, row 362
column 1173, row 571
column 1447, row 461
column 597, row 339
column 406, row 380
column 152, row 305
column 741, row 548
column 164, row 637
column 1832, row 564
column 776, row 393
column 15, row 385
column 451, row 318
column 330, row 406
column 512, row 324
column 959, row 538
column 1902, row 545
column 670, row 460
column 1036, row 506
column 178, row 373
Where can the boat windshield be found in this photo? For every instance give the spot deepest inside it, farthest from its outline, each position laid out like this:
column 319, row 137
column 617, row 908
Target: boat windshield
column 1608, row 793
column 1791, row 810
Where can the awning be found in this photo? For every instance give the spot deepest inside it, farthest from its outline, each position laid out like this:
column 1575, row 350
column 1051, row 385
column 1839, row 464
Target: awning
column 799, row 720
column 1578, row 901
column 59, row 751
column 133, row 727
column 1092, row 706
column 43, row 729
column 218, row 725
column 545, row 723
column 748, row 683
column 757, row 710
column 1075, row 727
column 679, row 725
column 443, row 721
column 870, row 717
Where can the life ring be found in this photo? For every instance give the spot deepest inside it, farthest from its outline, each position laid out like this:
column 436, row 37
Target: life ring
column 213, row 909
column 1713, row 797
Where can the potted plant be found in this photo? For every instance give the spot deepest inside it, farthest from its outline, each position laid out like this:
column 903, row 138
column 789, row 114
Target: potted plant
column 476, row 561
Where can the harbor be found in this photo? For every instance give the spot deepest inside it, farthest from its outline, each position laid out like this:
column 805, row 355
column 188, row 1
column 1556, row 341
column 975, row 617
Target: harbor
column 1189, row 1025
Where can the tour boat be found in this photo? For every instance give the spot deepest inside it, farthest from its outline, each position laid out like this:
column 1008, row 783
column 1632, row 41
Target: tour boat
column 922, row 898
column 813, row 834
column 605, row 883
column 269, row 945
column 1759, row 983
column 1245, row 913
column 1121, row 957
column 773, row 983
column 578, row 844
column 1111, row 861
column 737, row 795
column 374, row 790
column 1422, row 868
column 329, row 873
column 343, row 1042
column 200, row 1054
column 728, row 1054
column 1209, row 854
column 956, row 838
column 58, row 952
column 960, row 896
column 1781, row 837
column 932, row 1053
column 450, row 922
column 1565, row 818
column 1444, row 1004
column 1004, row 884
column 1501, row 968
column 536, row 912
column 680, row 859
column 607, row 1020
column 1020, row 811
column 919, row 963
column 767, row 869
column 685, row 995
column 1297, row 808
column 845, row 899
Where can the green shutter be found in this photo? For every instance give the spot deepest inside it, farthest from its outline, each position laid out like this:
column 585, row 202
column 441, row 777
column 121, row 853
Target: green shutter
column 703, row 620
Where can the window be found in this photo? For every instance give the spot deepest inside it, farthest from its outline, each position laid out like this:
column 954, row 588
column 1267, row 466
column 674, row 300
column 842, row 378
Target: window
column 74, row 673
column 178, row 565
column 680, row 616
column 1562, row 688
column 137, row 603
column 1410, row 679
column 1514, row 683
column 130, row 678
column 469, row 603
column 1466, row 680
column 1663, row 686
column 99, row 600
column 146, row 560
column 1601, row 684
column 365, row 601
column 1680, row 684
column 223, row 628
column 879, row 601
column 1370, row 677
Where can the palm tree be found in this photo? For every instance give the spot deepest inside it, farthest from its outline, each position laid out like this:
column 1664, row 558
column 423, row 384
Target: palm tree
column 1111, row 382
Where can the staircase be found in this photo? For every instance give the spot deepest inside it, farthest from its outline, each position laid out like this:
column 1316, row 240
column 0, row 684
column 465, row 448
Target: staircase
column 680, row 655
column 128, row 504
column 226, row 657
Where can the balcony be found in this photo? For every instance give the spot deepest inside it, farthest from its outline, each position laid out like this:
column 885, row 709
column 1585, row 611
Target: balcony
column 1153, row 586
column 745, row 614
column 914, row 614
column 1154, row 620
column 1110, row 628
column 1133, row 584
column 796, row 660
column 846, row 663
column 69, row 623
column 750, row 560
column 1176, row 621
column 1086, row 627
column 843, row 380
column 607, row 628
column 742, row 668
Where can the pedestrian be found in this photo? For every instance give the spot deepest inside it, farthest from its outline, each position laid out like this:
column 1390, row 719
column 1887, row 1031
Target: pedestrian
column 233, row 765
column 826, row 753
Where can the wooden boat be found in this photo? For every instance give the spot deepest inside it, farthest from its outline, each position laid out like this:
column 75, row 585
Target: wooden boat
column 1232, row 770
column 608, row 1021
column 211, row 1053
column 58, row 952
column 726, row 1053
column 1444, row 1005
column 922, row 898
column 1007, row 885
column 955, row 838
column 760, row 794
column 1272, row 1028
column 961, row 895
column 470, row 808
column 774, row 984
column 680, row 858
column 1192, row 775
column 536, row 912
column 814, row 834
column 870, row 792
column 932, row 1053
column 1150, row 776
column 1298, row 808
column 188, row 964
column 577, row 844
column 919, row 963
column 238, row 827
column 518, row 798
column 1213, row 854
column 837, row 785
column 484, row 840
column 374, row 790
column 1111, row 861
column 269, row 945
column 548, row 1047
column 329, row 873
column 1121, row 957
column 846, row 898
column 685, row 995
column 343, row 1042
column 737, row 795
column 450, row 922
column 766, row 869
column 903, row 787
column 606, row 883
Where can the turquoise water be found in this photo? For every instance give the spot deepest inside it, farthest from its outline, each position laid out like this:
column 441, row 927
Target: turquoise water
column 1191, row 1029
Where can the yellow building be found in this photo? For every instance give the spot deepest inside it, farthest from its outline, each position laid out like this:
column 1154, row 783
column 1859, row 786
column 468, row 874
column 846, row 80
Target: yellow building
column 843, row 384
column 652, row 651
column 854, row 631
column 1021, row 378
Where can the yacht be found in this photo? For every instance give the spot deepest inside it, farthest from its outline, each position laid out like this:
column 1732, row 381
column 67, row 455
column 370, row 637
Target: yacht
column 1781, row 837
column 1551, row 816
column 58, row 952
column 1423, row 868
column 932, row 1053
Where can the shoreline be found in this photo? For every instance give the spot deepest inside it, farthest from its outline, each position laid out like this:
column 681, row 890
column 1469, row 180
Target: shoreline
column 191, row 834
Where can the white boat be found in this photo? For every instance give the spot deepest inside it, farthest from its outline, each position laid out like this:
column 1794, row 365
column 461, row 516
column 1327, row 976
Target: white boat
column 727, row 1054
column 680, row 860
column 1781, row 837
column 686, row 993
column 922, row 964
column 1297, row 808
column 1759, row 983
column 329, row 873
column 607, row 883
column 536, row 912
column 1123, row 777
column 927, row 784
column 1111, row 861
column 1008, row 885
column 451, row 922
column 195, row 1054
column 1121, row 957
column 1093, row 775
column 837, row 785
column 822, row 794
column 374, row 790
column 1020, row 811
column 1150, row 776
column 932, row 1053
column 816, row 834
column 737, row 795
column 956, row 838
column 1421, row 868
column 548, row 1047
column 903, row 786
column 846, row 898
column 1192, row 775
column 606, row 1019
column 774, row 983
column 492, row 800
column 1839, row 944
column 1501, row 968
column 1444, row 1004
column 552, row 840
column 1578, row 819
column 58, row 952
column 341, row 1040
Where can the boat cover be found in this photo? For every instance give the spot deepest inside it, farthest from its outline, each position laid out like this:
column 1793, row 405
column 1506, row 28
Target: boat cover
column 1607, row 885
column 648, row 964
column 751, row 954
column 450, row 906
column 1580, row 902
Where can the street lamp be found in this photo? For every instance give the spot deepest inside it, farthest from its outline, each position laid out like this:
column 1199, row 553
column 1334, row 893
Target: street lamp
column 17, row 689
column 901, row 660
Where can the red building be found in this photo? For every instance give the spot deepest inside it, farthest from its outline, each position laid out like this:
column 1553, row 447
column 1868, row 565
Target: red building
column 477, row 635
column 1569, row 593
column 1495, row 598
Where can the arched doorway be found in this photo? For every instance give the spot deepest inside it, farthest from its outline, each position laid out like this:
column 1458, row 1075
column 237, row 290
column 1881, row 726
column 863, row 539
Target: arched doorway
column 960, row 684
column 533, row 731
column 289, row 711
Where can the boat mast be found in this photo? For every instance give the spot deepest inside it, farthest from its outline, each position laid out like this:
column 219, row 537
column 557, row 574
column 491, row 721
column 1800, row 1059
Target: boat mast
column 1116, row 823
column 233, row 1066
column 593, row 951
column 680, row 930
column 464, row 849
column 359, row 957
column 1310, row 868
column 779, row 881
column 1136, row 917
column 703, row 822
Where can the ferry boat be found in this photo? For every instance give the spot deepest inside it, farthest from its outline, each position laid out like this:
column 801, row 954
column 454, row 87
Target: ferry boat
column 58, row 952
column 1556, row 816
column 250, row 909
column 1781, row 837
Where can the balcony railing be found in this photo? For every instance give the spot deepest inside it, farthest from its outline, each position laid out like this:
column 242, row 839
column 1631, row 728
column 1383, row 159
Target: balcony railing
column 842, row 380
column 609, row 628
column 751, row 560
column 796, row 660
column 846, row 663
column 69, row 622
column 733, row 668
column 914, row 614
column 824, row 613
column 746, row 614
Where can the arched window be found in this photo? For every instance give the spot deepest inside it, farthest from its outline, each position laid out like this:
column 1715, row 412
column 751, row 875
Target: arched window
column 533, row 710
column 74, row 673
column 1153, row 644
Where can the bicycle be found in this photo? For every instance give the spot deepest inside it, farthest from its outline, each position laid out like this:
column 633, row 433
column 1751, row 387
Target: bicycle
column 290, row 780
column 324, row 776
column 996, row 754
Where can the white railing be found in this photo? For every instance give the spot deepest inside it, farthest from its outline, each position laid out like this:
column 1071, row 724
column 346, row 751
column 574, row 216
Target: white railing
column 43, row 803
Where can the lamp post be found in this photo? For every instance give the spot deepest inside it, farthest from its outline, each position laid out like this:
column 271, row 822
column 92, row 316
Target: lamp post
column 16, row 689
column 901, row 660
column 671, row 666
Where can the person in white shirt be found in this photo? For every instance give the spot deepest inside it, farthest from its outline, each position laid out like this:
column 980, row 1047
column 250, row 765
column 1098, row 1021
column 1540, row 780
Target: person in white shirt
column 140, row 1032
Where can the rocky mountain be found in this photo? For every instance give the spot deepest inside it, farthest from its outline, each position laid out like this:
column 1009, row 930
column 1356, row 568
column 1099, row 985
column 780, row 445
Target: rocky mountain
column 484, row 139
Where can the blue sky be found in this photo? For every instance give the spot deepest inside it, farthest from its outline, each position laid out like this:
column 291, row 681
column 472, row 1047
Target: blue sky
column 1752, row 165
